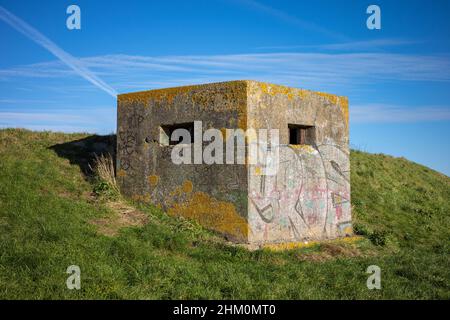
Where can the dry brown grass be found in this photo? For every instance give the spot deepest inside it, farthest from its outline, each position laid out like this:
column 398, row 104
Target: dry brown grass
column 330, row 251
column 104, row 169
column 122, row 216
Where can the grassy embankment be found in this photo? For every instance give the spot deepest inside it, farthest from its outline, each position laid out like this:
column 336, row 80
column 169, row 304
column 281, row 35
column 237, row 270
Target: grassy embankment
column 54, row 214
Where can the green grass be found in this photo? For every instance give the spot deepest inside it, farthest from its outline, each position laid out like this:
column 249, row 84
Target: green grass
column 46, row 205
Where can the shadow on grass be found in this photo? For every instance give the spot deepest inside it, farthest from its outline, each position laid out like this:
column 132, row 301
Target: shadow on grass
column 82, row 152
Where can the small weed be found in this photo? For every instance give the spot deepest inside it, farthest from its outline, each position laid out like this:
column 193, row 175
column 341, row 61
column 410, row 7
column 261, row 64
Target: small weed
column 106, row 185
column 378, row 238
column 104, row 189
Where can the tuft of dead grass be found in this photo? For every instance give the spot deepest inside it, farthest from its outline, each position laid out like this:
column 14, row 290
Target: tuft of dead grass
column 103, row 168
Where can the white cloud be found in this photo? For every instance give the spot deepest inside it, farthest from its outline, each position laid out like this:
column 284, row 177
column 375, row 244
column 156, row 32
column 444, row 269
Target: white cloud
column 362, row 45
column 385, row 113
column 307, row 70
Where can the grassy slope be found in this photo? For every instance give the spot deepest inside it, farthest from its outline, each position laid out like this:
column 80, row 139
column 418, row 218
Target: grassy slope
column 45, row 207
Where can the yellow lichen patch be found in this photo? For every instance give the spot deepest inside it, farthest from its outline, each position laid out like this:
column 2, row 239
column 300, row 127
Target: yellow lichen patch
column 220, row 216
column 348, row 230
column 344, row 109
column 303, row 147
column 141, row 197
column 121, row 173
column 290, row 93
column 187, row 186
column 199, row 94
column 334, row 99
column 303, row 93
column 342, row 102
column 242, row 120
column 153, row 180
column 290, row 245
column 264, row 87
column 306, row 244
column 273, row 89
column 176, row 192
column 167, row 94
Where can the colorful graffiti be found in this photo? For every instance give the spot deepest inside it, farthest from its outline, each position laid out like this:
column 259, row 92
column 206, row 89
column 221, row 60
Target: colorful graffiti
column 308, row 198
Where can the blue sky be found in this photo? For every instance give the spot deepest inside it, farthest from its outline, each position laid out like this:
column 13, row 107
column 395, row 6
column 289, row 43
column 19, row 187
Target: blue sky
column 397, row 78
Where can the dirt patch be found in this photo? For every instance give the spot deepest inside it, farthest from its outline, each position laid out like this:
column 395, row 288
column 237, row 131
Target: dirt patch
column 329, row 251
column 85, row 195
column 66, row 194
column 122, row 215
column 338, row 250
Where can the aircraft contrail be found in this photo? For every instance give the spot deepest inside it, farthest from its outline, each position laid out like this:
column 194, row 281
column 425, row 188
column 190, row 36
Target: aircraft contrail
column 62, row 55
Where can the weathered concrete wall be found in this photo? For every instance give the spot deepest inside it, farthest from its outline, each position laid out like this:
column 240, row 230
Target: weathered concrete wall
column 309, row 197
column 215, row 195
